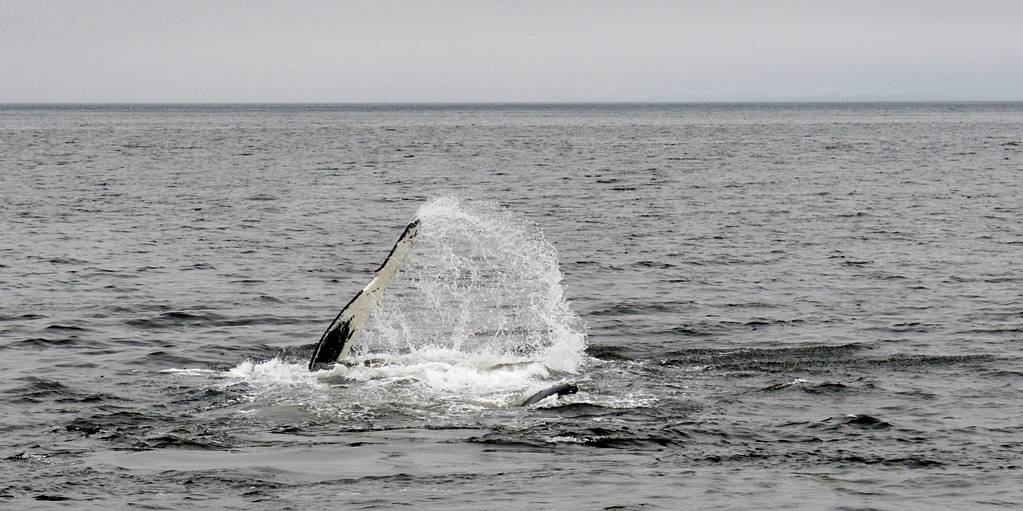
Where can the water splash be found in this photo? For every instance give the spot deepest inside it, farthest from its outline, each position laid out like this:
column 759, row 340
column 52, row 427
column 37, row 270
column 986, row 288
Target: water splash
column 480, row 282
column 478, row 313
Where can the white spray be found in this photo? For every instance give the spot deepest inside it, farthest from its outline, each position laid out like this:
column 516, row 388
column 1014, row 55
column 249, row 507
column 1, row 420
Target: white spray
column 478, row 310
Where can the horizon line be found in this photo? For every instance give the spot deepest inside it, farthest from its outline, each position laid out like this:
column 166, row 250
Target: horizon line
column 581, row 102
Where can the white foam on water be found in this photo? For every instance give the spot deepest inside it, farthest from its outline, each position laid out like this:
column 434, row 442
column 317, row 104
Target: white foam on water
column 273, row 372
column 190, row 371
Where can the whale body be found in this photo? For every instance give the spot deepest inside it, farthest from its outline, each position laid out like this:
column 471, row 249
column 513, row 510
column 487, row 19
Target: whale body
column 561, row 389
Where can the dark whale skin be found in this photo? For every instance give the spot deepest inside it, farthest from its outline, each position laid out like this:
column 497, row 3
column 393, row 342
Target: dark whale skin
column 560, row 389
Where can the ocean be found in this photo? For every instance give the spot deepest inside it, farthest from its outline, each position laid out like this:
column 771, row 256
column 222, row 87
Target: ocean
column 764, row 306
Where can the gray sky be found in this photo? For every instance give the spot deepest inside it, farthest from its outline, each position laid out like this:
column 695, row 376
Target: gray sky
column 451, row 51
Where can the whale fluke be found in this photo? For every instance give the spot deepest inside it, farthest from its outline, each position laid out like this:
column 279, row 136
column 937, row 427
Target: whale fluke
column 560, row 389
column 336, row 342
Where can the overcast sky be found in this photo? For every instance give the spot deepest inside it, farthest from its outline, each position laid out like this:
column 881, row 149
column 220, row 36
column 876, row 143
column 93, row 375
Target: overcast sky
column 452, row 51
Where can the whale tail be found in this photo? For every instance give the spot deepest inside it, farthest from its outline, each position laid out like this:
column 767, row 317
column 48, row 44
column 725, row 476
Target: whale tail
column 336, row 341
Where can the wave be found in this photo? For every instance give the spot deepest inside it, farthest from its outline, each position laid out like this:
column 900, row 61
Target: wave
column 811, row 357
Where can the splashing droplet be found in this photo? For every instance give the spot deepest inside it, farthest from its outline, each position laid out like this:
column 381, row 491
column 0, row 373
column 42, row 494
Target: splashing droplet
column 482, row 283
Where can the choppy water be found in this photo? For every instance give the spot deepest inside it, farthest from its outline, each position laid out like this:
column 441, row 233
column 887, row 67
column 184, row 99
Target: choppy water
column 764, row 306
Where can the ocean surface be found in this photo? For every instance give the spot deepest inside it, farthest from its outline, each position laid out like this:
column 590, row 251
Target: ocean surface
column 778, row 306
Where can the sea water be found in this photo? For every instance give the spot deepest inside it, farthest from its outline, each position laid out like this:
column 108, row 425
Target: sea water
column 768, row 306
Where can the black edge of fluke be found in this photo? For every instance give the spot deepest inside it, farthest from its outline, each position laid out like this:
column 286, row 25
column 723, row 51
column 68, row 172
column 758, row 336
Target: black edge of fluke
column 560, row 389
column 412, row 225
column 331, row 344
column 333, row 340
column 348, row 322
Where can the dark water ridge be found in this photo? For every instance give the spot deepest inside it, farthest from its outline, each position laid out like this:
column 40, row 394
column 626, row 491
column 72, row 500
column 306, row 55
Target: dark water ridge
column 812, row 306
